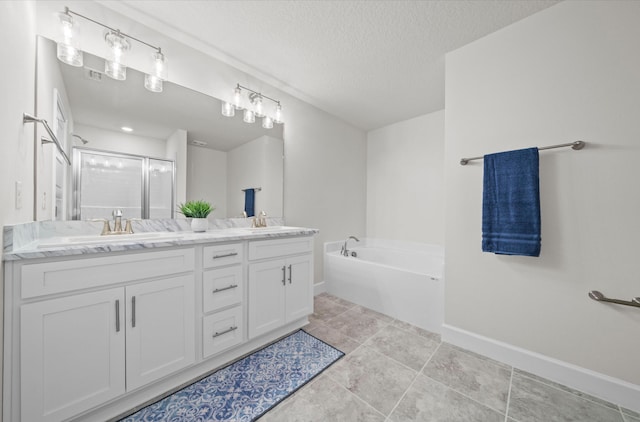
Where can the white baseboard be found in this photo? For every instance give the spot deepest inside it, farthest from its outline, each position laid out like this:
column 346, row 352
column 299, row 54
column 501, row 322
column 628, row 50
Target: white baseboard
column 614, row 390
column 319, row 288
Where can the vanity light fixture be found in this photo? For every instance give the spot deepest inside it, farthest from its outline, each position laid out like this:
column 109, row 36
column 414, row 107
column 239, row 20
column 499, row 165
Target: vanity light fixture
column 118, row 42
column 254, row 108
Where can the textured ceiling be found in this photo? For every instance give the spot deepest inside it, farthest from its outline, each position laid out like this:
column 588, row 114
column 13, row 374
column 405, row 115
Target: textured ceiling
column 372, row 63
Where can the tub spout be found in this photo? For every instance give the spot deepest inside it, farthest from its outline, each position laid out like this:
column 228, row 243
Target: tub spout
column 344, row 251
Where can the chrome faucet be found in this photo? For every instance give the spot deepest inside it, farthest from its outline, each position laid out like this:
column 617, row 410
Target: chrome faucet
column 259, row 220
column 117, row 223
column 344, row 251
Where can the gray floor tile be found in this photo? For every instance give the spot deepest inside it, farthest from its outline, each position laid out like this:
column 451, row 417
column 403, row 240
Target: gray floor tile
column 481, row 379
column 416, row 330
column 320, row 401
column 339, row 300
column 630, row 413
column 325, row 309
column 534, row 401
column 357, row 324
column 409, row 349
column 375, row 378
column 565, row 388
column 371, row 313
column 428, row 400
column 335, row 338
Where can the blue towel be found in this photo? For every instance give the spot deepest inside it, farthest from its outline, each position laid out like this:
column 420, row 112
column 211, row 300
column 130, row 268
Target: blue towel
column 249, row 202
column 511, row 203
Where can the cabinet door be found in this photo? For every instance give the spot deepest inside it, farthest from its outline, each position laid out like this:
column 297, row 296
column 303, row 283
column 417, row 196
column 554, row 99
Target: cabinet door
column 160, row 329
column 299, row 294
column 71, row 354
column 266, row 296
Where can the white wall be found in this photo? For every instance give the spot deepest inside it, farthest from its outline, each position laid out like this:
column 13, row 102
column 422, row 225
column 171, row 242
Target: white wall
column 567, row 73
column 120, row 142
column 17, row 23
column 207, row 178
column 405, row 180
column 177, row 151
column 251, row 166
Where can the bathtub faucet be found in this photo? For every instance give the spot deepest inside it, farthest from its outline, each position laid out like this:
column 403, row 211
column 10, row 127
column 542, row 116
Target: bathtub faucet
column 344, row 251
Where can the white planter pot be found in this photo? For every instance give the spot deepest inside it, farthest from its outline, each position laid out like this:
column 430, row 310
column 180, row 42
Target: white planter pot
column 199, row 224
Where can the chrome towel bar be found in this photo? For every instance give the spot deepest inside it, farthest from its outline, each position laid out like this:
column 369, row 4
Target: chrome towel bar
column 596, row 295
column 28, row 118
column 574, row 145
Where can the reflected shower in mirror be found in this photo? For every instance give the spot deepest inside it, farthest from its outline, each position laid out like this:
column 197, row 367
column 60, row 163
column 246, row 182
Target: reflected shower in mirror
column 215, row 157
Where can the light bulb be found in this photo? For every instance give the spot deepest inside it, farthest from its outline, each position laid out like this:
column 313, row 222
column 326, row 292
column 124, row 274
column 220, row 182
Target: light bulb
column 249, row 116
column 278, row 118
column 228, row 110
column 267, row 122
column 237, row 98
column 159, row 67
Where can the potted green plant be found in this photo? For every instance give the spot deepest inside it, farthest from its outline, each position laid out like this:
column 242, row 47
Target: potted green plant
column 198, row 211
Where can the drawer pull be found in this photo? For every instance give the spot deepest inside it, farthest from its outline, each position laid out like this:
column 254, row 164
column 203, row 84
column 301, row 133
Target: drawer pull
column 226, row 255
column 233, row 286
column 218, row 334
column 118, row 316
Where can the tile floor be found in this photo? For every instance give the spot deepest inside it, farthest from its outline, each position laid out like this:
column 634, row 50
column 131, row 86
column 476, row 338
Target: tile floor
column 396, row 372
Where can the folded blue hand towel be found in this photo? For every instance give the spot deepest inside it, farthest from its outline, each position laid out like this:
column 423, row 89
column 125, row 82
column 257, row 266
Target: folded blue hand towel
column 511, row 203
column 249, row 202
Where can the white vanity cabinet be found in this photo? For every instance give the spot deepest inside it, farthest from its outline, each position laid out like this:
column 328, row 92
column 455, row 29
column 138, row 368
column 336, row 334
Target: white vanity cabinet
column 280, row 283
column 79, row 348
column 91, row 335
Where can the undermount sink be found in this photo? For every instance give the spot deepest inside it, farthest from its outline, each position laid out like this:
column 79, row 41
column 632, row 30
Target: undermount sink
column 99, row 239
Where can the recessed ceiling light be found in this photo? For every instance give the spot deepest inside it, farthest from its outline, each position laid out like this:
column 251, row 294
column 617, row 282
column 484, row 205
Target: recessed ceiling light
column 126, row 129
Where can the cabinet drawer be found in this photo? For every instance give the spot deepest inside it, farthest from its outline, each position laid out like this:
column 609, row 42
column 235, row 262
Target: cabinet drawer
column 75, row 274
column 260, row 249
column 219, row 255
column 221, row 288
column 222, row 330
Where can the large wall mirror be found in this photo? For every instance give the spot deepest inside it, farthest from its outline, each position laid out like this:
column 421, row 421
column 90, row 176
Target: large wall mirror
column 216, row 158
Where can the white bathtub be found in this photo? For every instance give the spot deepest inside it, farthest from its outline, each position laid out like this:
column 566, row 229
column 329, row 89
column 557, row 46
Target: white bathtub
column 401, row 279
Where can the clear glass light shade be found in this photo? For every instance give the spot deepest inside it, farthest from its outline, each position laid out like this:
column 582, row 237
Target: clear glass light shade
column 278, row 117
column 68, row 50
column 237, row 98
column 249, row 116
column 153, row 83
column 115, row 70
column 70, row 55
column 267, row 122
column 258, row 107
column 118, row 46
column 228, row 110
column 159, row 67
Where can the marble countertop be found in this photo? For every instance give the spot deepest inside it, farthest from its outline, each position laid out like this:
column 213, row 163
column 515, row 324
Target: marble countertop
column 58, row 243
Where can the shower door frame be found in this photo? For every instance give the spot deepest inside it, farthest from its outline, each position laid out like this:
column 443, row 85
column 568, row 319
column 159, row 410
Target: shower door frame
column 145, row 174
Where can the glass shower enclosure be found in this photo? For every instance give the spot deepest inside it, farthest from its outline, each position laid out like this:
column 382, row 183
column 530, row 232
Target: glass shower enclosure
column 142, row 187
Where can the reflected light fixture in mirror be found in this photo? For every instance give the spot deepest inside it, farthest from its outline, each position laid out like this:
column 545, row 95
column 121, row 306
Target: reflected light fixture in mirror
column 118, row 46
column 256, row 107
column 153, row 81
column 118, row 43
column 68, row 50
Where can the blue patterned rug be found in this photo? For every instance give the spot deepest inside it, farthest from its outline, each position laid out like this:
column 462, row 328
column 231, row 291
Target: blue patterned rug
column 249, row 387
